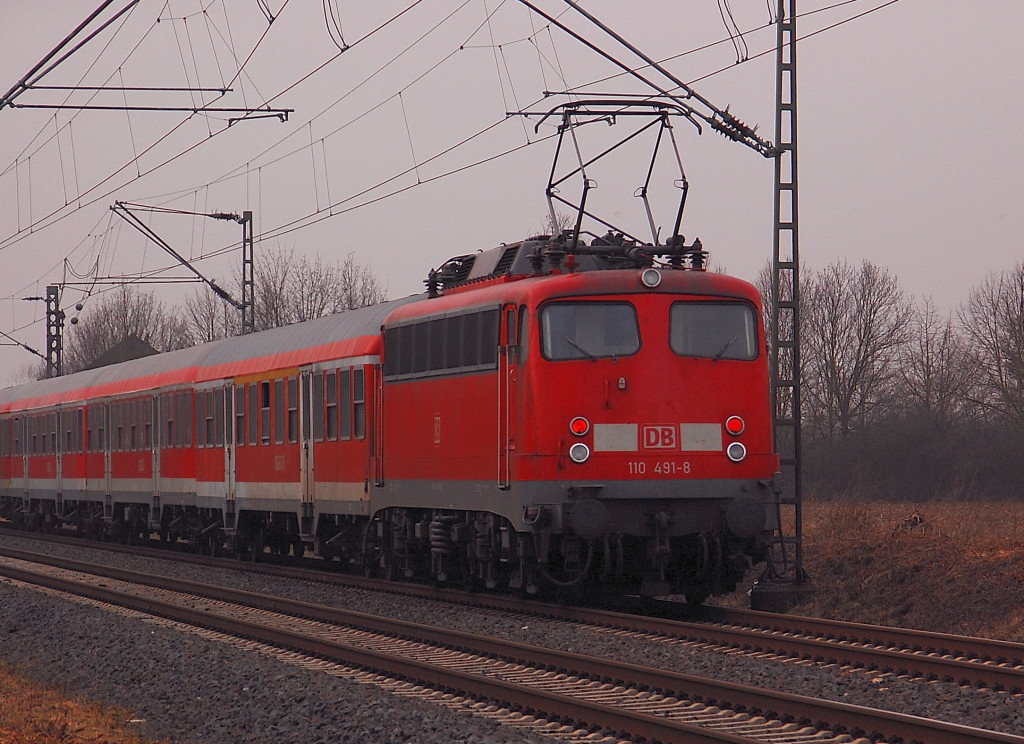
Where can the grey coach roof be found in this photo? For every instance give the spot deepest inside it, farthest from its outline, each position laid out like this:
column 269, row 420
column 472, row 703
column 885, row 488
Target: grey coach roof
column 263, row 344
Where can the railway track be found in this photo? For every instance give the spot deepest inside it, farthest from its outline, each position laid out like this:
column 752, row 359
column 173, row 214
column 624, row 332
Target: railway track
column 928, row 656
column 637, row 702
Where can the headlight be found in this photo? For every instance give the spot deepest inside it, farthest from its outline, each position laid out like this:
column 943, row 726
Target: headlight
column 651, row 278
column 736, row 452
column 579, row 452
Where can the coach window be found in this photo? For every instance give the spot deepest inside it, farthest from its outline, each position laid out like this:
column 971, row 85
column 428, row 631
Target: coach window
column 265, row 412
column 254, row 411
column 589, row 330
column 133, row 425
column 101, row 426
column 240, row 415
column 318, row 406
column 210, row 422
column 279, row 411
column 119, row 434
column 179, row 419
column 147, row 423
column 218, row 416
column 67, row 423
column 718, row 330
column 345, row 403
column 186, row 397
column 204, row 427
column 332, row 405
column 359, row 402
column 172, row 420
column 307, row 425
column 293, row 410
column 167, row 415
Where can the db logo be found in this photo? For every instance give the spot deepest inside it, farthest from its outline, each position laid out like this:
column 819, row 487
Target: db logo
column 659, row 437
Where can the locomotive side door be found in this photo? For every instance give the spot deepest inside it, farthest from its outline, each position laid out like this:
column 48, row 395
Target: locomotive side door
column 507, row 359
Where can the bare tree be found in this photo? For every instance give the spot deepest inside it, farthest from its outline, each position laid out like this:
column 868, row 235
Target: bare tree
column 124, row 315
column 287, row 289
column 937, row 372
column 356, row 286
column 994, row 321
column 209, row 317
column 855, row 321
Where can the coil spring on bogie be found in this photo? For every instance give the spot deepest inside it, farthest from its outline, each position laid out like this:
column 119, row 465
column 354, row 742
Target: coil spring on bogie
column 441, row 542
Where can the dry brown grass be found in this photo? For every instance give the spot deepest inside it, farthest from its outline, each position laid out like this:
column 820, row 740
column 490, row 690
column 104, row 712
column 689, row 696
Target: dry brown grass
column 947, row 567
column 33, row 714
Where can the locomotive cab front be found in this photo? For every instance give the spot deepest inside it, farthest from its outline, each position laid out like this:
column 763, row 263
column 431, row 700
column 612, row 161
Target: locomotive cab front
column 602, row 430
column 650, row 431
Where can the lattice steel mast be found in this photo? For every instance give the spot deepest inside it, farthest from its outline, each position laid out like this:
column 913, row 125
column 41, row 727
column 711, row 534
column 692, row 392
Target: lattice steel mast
column 784, row 579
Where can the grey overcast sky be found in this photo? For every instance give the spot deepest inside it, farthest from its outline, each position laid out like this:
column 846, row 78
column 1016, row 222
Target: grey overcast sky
column 400, row 152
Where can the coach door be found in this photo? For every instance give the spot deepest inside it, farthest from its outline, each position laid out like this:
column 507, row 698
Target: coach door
column 229, row 442
column 62, row 425
column 108, row 505
column 311, row 401
column 20, row 475
column 507, row 358
column 153, row 438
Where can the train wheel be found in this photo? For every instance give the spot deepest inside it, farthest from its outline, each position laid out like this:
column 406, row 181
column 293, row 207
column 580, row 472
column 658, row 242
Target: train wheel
column 697, row 597
column 388, row 571
column 214, row 541
column 256, row 545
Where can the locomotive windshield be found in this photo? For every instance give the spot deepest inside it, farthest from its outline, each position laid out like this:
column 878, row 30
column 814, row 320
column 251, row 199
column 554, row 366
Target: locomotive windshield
column 589, row 330
column 720, row 330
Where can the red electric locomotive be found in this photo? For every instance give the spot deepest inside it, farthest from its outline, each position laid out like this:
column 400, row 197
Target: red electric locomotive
column 538, row 420
column 620, row 436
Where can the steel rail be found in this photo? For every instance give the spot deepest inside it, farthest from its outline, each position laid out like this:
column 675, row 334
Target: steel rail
column 921, row 641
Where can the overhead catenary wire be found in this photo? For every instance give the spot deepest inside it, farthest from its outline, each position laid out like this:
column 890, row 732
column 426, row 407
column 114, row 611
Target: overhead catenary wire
column 365, row 196
column 94, row 194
